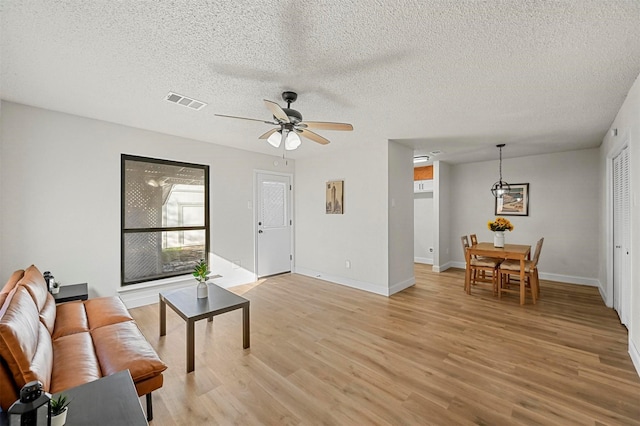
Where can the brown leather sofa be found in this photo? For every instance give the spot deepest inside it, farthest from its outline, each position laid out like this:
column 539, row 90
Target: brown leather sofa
column 69, row 344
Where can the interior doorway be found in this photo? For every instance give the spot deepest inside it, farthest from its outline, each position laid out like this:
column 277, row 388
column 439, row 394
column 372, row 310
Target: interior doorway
column 273, row 224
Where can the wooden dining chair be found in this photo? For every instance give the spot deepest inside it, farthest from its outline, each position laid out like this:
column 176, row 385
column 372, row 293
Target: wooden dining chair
column 511, row 268
column 474, row 241
column 481, row 265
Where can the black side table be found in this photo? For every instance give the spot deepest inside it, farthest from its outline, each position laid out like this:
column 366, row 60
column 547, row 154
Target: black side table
column 68, row 293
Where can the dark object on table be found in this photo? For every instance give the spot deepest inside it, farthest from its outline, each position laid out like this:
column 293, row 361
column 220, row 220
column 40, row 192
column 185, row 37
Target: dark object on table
column 50, row 280
column 32, row 408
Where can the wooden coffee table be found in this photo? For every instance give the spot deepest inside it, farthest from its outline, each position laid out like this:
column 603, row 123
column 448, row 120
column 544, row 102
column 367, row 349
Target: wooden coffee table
column 191, row 309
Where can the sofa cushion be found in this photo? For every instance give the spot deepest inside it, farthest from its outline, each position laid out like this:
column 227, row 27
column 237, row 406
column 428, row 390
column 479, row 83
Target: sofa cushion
column 71, row 318
column 10, row 285
column 8, row 388
column 123, row 346
column 13, row 280
column 34, row 282
column 103, row 311
column 74, row 362
column 24, row 340
column 48, row 314
column 42, row 362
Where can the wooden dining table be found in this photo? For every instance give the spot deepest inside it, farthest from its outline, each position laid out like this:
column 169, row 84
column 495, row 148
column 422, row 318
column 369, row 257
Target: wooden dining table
column 509, row 251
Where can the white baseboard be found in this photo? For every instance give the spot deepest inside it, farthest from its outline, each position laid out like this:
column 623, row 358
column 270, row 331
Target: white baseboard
column 401, row 285
column 360, row 285
column 603, row 295
column 444, row 267
column 459, row 265
column 425, row 260
column 569, row 279
column 635, row 355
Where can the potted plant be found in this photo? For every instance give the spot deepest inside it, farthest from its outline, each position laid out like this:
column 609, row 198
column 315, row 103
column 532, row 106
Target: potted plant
column 59, row 408
column 200, row 272
column 498, row 226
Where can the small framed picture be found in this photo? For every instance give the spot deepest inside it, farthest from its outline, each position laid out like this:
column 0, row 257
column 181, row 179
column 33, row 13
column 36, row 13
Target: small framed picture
column 514, row 202
column 335, row 197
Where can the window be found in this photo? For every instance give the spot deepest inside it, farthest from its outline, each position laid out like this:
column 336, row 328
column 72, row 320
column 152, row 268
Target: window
column 165, row 218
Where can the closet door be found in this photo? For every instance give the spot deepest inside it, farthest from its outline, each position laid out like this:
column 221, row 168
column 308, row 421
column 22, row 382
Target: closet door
column 621, row 236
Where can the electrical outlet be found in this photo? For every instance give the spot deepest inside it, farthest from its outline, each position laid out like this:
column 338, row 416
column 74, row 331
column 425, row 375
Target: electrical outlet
column 347, row 264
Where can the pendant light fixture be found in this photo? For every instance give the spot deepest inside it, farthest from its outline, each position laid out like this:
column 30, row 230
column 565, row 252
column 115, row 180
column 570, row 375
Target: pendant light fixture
column 500, row 187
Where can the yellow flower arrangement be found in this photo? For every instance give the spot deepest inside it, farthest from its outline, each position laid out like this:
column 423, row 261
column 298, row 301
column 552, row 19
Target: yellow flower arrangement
column 500, row 224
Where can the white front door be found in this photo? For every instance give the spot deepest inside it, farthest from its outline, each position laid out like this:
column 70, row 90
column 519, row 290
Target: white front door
column 621, row 237
column 274, row 224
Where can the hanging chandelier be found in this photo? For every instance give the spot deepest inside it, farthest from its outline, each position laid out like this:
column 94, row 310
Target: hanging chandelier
column 500, row 187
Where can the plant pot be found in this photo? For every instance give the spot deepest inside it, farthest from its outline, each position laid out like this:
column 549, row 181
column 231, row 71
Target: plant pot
column 498, row 239
column 60, row 419
column 203, row 290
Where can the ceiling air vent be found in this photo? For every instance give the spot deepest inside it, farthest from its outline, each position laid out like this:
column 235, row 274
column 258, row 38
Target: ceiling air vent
column 184, row 101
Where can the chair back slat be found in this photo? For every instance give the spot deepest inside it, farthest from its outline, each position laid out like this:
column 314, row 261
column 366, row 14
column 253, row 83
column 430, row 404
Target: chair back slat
column 465, row 243
column 474, row 239
column 536, row 255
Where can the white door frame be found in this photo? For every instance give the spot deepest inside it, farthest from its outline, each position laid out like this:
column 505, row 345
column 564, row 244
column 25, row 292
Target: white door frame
column 622, row 143
column 255, row 217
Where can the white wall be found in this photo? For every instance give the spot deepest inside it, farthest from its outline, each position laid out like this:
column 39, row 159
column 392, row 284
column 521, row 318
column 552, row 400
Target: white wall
column 401, row 272
column 563, row 208
column 442, row 196
column 324, row 242
column 423, row 224
column 60, row 191
column 628, row 124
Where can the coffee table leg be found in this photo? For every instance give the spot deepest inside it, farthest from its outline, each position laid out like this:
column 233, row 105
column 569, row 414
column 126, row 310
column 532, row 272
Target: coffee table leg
column 245, row 327
column 191, row 355
column 163, row 317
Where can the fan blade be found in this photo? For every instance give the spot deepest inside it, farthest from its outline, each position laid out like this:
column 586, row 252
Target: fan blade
column 313, row 136
column 245, row 118
column 325, row 125
column 269, row 133
column 277, row 111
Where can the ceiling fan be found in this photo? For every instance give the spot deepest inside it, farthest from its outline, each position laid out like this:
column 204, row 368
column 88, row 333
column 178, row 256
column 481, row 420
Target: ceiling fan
column 290, row 125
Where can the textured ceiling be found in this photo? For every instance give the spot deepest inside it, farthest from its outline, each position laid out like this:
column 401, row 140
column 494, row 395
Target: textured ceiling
column 458, row 76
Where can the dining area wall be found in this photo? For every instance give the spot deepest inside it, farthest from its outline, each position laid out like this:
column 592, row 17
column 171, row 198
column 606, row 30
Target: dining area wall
column 563, row 208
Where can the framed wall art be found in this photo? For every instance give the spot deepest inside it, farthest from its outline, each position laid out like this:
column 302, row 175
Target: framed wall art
column 335, row 197
column 514, row 202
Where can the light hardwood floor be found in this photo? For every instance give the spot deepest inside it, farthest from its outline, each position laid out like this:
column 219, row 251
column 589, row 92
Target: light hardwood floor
column 327, row 354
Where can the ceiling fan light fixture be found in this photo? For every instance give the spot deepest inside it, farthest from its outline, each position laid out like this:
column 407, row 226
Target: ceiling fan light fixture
column 293, row 141
column 290, row 125
column 275, row 139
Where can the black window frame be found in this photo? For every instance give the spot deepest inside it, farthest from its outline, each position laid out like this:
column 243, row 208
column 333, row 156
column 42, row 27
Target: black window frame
column 124, row 231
